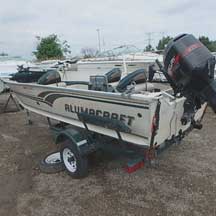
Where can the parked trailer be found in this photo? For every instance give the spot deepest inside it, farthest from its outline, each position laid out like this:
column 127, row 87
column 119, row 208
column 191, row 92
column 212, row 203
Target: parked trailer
column 76, row 144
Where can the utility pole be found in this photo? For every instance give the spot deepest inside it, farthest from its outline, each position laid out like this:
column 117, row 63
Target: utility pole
column 149, row 39
column 104, row 45
column 99, row 42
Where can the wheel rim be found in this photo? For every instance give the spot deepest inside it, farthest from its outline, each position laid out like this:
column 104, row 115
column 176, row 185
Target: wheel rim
column 69, row 160
column 54, row 158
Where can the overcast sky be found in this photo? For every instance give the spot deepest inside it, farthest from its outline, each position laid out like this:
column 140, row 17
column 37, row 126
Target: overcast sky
column 120, row 21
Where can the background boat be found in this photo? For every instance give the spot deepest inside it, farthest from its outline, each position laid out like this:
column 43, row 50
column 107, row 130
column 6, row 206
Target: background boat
column 128, row 58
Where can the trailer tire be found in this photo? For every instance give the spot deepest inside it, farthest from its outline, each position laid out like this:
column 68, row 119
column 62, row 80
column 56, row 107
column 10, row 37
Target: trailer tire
column 76, row 164
column 52, row 163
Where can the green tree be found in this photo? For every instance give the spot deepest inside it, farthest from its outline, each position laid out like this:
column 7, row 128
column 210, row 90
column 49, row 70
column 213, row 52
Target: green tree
column 163, row 42
column 50, row 47
column 211, row 45
column 214, row 46
column 149, row 48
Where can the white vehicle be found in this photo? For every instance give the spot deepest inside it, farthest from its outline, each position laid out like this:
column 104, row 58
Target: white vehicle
column 127, row 58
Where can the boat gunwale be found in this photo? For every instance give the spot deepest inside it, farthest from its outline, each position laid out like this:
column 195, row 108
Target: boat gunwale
column 130, row 98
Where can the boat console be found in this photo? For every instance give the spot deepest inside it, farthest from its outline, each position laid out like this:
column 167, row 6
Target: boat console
column 100, row 83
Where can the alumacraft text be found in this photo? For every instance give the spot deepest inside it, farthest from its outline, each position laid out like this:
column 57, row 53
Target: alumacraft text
column 78, row 109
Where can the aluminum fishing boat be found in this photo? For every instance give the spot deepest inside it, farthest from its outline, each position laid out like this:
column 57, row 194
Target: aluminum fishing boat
column 132, row 115
column 131, row 110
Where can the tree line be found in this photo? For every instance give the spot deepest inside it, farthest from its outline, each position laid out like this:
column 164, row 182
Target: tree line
column 211, row 45
column 51, row 47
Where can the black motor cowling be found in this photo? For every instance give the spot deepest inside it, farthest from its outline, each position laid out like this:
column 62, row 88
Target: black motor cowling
column 190, row 67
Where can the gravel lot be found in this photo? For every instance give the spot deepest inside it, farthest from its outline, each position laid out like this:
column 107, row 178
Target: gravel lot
column 183, row 184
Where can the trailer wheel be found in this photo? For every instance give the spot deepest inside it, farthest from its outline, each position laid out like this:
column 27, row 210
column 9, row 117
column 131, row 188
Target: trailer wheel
column 76, row 165
column 52, row 163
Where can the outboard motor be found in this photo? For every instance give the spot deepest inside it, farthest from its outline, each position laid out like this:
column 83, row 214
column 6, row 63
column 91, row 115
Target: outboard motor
column 189, row 67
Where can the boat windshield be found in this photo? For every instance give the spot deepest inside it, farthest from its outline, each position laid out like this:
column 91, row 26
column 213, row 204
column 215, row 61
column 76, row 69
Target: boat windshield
column 119, row 51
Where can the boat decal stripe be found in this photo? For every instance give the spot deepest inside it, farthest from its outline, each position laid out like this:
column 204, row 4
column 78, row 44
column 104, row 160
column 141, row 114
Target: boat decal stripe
column 33, row 98
column 52, row 97
column 46, row 93
column 49, row 100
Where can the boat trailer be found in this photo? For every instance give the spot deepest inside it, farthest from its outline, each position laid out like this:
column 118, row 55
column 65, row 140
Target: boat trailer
column 80, row 143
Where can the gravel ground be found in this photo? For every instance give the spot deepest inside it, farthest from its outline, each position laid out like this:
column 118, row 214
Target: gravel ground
column 183, row 184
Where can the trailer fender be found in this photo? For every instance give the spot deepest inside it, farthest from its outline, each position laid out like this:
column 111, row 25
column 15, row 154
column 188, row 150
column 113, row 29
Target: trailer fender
column 80, row 140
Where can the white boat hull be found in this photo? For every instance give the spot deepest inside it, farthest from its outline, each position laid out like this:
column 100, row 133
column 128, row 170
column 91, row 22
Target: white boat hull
column 136, row 111
column 102, row 67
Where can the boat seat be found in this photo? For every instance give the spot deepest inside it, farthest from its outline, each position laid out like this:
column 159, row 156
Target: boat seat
column 59, row 84
column 144, row 87
column 51, row 77
column 139, row 77
column 114, row 75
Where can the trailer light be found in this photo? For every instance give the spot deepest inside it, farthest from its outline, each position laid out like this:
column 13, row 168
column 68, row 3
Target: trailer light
column 134, row 165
